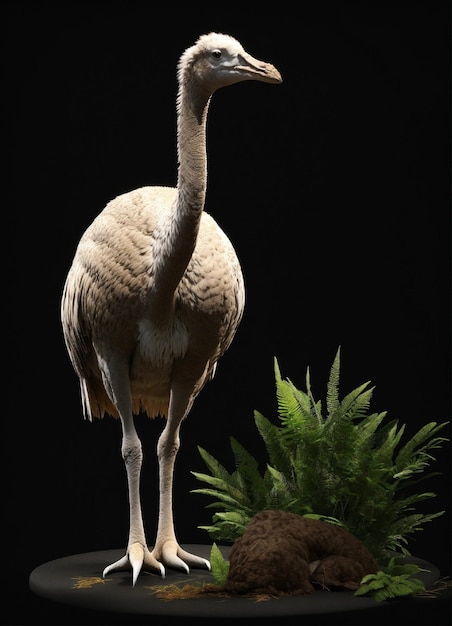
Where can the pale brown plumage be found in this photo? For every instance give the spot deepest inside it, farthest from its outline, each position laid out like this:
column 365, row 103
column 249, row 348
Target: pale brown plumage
column 154, row 297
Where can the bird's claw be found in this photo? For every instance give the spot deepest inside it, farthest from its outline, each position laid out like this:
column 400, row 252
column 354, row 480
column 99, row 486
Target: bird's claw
column 139, row 558
column 176, row 557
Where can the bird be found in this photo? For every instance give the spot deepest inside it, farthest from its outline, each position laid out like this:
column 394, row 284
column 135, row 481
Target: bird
column 153, row 298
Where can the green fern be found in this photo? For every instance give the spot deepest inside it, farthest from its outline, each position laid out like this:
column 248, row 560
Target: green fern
column 394, row 581
column 219, row 566
column 346, row 466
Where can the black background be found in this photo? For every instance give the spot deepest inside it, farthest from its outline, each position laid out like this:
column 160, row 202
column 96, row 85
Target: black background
column 334, row 188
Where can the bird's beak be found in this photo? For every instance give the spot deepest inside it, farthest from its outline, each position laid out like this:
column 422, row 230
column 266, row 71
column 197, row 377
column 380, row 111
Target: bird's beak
column 258, row 70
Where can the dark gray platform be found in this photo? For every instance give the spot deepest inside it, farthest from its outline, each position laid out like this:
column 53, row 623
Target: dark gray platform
column 58, row 581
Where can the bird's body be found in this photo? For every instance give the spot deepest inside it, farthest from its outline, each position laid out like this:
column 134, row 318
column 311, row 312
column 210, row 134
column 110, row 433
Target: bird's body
column 207, row 307
column 154, row 297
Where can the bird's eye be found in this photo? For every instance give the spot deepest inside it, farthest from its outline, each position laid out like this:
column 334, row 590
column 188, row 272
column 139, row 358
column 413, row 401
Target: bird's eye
column 216, row 54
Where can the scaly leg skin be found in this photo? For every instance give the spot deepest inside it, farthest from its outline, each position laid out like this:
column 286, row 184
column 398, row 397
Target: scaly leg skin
column 166, row 549
column 137, row 555
column 167, row 552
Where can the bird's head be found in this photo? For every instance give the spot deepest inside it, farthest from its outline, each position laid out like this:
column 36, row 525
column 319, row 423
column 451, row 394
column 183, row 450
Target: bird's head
column 217, row 60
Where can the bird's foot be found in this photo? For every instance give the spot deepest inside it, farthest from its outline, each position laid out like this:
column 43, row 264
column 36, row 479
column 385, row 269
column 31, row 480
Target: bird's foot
column 137, row 558
column 172, row 555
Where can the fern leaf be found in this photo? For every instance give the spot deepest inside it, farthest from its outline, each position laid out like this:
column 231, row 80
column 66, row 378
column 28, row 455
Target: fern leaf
column 393, row 582
column 214, row 466
column 292, row 402
column 414, row 448
column 370, row 423
column 326, row 518
column 386, row 443
column 219, row 565
column 225, row 500
column 277, row 451
column 276, row 369
column 357, row 401
column 224, row 489
column 247, row 466
column 219, row 483
column 332, row 395
column 315, row 407
column 234, row 518
column 305, row 404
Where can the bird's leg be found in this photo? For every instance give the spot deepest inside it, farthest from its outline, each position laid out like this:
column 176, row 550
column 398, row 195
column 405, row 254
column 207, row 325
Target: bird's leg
column 166, row 549
column 138, row 556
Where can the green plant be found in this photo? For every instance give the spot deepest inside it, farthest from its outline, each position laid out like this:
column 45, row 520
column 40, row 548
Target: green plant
column 393, row 581
column 337, row 462
column 219, row 566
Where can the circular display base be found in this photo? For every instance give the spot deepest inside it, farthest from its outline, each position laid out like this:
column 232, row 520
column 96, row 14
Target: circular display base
column 77, row 581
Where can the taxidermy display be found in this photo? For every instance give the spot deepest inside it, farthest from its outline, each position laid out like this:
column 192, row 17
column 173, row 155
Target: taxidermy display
column 154, row 297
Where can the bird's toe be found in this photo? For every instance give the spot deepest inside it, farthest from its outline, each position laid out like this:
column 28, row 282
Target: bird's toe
column 172, row 555
column 137, row 558
column 119, row 565
column 192, row 560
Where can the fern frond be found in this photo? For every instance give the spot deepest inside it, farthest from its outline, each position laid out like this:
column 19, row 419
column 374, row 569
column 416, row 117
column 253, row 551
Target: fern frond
column 413, row 453
column 220, row 484
column 392, row 583
column 233, row 517
column 386, row 441
column 332, row 394
column 315, row 407
column 247, row 464
column 248, row 475
column 217, row 470
column 350, row 467
column 279, row 495
column 225, row 500
column 370, row 423
column 276, row 370
column 277, row 451
column 219, row 566
column 355, row 403
column 293, row 404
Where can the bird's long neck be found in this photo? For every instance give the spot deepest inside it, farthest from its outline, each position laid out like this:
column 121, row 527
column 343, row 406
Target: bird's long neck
column 192, row 172
column 179, row 233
